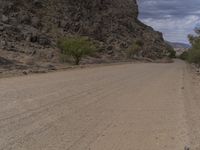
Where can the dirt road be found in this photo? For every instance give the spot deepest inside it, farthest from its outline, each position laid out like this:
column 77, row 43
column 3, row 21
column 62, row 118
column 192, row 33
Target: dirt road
column 119, row 107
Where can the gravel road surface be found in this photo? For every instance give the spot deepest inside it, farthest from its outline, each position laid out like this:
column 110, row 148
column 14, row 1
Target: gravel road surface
column 118, row 107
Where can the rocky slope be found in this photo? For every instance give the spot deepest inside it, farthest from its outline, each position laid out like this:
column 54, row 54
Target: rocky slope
column 29, row 29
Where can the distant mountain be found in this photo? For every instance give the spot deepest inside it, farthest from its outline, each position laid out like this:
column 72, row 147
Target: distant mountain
column 179, row 45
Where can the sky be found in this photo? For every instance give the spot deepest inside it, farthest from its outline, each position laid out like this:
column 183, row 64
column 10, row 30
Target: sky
column 174, row 18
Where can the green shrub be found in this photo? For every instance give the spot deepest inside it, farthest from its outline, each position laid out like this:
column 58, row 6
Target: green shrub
column 65, row 58
column 184, row 55
column 172, row 53
column 139, row 43
column 194, row 52
column 194, row 56
column 134, row 49
column 76, row 47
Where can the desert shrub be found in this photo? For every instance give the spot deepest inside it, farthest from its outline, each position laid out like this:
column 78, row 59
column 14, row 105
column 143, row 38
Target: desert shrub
column 184, row 55
column 194, row 56
column 65, row 58
column 134, row 49
column 76, row 47
column 171, row 53
column 139, row 43
column 194, row 52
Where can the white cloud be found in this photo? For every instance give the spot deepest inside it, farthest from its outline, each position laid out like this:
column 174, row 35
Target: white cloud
column 175, row 18
column 174, row 29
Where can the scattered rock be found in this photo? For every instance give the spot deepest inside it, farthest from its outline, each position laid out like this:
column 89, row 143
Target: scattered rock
column 25, row 19
column 110, row 52
column 109, row 48
column 36, row 22
column 62, row 24
column 38, row 3
column 33, row 38
column 25, row 72
column 2, row 44
column 4, row 19
column 2, row 28
column 44, row 40
column 51, row 67
column 186, row 148
column 4, row 61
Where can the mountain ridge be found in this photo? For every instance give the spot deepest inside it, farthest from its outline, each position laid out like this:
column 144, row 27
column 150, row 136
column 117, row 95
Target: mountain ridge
column 179, row 45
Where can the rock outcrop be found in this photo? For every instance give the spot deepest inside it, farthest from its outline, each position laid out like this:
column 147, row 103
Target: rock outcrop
column 29, row 29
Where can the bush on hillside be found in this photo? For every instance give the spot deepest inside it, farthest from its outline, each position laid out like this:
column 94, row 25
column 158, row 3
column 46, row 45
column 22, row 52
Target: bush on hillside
column 134, row 49
column 76, row 47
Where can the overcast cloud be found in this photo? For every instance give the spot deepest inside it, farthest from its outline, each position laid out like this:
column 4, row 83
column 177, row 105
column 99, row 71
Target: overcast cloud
column 175, row 18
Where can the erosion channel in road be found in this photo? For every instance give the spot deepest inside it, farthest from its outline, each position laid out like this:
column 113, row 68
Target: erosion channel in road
column 119, row 107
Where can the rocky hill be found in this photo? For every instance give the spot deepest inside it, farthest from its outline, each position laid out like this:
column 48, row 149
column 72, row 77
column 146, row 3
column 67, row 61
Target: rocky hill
column 29, row 30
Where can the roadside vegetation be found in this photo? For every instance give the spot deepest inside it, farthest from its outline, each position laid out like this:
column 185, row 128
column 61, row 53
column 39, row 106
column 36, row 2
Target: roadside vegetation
column 134, row 50
column 172, row 52
column 76, row 48
column 193, row 54
column 184, row 56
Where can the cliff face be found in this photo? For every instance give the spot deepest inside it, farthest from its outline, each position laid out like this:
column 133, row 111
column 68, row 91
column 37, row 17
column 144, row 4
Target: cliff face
column 29, row 29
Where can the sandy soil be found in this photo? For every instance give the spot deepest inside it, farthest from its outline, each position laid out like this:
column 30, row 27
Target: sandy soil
column 121, row 107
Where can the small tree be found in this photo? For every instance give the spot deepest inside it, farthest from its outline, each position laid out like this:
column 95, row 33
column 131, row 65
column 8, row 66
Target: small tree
column 76, row 47
column 134, row 49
